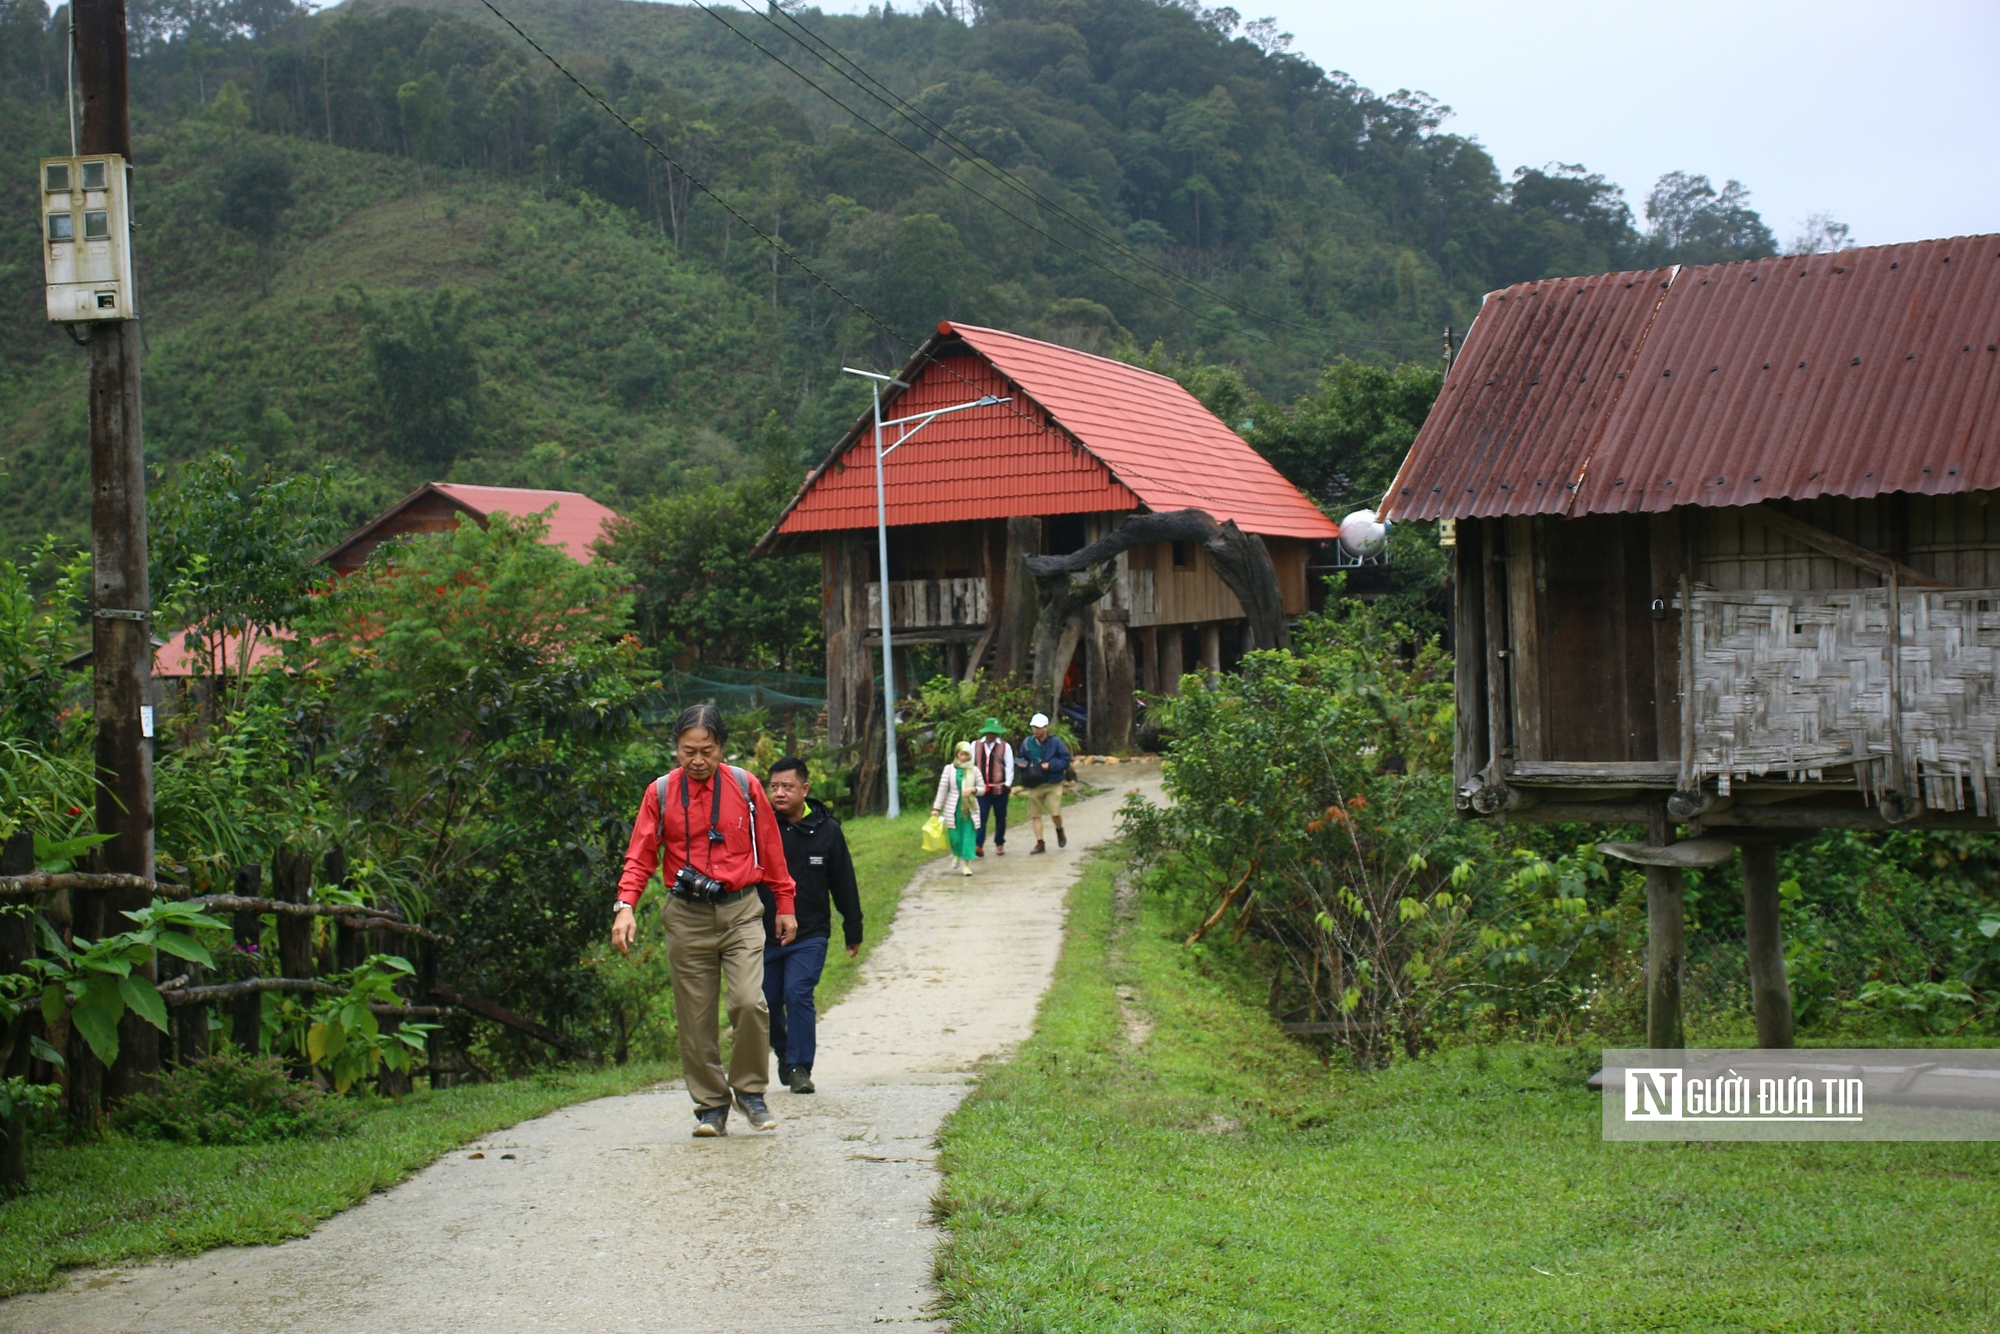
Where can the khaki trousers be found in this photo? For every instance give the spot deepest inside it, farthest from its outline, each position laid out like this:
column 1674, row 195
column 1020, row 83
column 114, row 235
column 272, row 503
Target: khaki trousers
column 709, row 944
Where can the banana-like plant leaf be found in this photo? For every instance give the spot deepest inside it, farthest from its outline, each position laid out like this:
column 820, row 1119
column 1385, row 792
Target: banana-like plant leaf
column 99, row 1029
column 185, row 947
column 144, row 1000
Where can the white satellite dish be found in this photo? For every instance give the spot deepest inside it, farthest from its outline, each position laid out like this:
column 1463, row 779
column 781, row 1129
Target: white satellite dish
column 1362, row 536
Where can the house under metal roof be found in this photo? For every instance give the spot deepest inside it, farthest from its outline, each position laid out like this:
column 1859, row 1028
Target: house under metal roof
column 1854, row 374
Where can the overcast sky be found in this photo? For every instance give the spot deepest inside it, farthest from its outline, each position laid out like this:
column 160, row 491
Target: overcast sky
column 1885, row 114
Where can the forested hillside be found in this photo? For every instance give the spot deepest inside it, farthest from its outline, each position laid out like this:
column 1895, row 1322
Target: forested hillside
column 396, row 239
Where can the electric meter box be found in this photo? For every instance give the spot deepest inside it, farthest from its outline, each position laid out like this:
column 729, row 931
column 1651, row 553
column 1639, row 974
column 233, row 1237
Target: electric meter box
column 87, row 238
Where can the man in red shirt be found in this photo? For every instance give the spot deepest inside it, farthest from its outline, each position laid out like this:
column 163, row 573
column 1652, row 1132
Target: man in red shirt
column 709, row 830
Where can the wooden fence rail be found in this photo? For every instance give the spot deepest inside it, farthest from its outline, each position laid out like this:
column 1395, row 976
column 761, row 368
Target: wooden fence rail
column 190, row 989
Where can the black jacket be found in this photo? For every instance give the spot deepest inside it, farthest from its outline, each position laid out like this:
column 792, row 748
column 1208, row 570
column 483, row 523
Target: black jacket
column 816, row 852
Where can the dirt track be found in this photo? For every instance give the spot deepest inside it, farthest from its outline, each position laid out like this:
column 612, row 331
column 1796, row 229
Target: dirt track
column 611, row 1217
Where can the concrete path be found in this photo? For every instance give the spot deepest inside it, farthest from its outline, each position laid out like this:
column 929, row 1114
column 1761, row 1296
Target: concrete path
column 610, row 1217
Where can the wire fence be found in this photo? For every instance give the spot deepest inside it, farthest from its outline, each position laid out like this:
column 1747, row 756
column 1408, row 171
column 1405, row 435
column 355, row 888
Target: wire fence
column 735, row 691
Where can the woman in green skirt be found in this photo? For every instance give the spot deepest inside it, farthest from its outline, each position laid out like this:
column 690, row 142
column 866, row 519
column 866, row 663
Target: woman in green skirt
column 957, row 805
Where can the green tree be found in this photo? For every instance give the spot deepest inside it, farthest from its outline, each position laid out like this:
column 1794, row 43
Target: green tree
column 703, row 594
column 233, row 553
column 1201, row 128
column 476, row 693
column 256, row 193
column 426, row 374
column 929, row 272
column 1694, row 223
column 1342, row 442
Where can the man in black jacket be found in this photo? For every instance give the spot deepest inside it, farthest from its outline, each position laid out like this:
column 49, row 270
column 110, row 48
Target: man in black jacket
column 816, row 853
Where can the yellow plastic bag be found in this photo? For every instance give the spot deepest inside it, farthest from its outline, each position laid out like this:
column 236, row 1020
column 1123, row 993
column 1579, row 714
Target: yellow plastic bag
column 934, row 839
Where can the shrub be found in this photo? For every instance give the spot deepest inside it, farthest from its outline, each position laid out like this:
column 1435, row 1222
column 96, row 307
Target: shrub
column 233, row 1098
column 1312, row 795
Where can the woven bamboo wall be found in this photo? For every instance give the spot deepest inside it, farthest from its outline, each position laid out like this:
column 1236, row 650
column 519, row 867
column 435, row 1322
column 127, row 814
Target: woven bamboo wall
column 1802, row 684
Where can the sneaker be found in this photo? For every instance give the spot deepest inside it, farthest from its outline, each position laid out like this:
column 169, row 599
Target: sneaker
column 802, row 1079
column 785, row 1073
column 1041, row 845
column 709, row 1122
column 753, row 1107
column 1062, row 839
column 965, row 869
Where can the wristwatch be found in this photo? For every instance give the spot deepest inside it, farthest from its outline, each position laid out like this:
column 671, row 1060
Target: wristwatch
column 617, row 904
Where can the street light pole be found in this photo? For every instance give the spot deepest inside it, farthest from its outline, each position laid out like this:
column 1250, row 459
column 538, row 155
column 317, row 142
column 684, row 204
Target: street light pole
column 912, row 425
column 888, row 651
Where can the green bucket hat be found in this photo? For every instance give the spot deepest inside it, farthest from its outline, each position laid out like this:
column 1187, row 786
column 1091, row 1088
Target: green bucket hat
column 993, row 728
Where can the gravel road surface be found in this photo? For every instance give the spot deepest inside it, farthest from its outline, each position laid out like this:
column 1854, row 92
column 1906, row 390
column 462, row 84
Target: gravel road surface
column 610, row 1217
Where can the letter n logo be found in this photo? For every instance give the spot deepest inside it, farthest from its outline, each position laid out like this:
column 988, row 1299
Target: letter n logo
column 1653, row 1095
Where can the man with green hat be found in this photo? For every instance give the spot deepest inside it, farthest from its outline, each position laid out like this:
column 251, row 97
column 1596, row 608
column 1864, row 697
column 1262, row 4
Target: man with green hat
column 994, row 759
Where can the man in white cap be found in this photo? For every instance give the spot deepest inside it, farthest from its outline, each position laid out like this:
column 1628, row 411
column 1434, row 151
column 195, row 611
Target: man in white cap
column 1043, row 768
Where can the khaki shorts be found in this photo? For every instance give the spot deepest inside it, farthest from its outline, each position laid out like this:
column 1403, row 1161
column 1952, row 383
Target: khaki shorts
column 1043, row 800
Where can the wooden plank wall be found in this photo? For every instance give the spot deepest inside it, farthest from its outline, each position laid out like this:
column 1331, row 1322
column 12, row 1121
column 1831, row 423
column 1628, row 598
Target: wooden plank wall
column 1956, row 538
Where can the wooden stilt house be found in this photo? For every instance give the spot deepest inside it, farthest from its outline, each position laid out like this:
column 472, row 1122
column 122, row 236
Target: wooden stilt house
column 1728, row 560
column 1082, row 442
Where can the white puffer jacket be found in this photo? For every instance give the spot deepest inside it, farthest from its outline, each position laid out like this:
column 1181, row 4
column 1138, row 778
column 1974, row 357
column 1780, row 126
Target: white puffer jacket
column 942, row 804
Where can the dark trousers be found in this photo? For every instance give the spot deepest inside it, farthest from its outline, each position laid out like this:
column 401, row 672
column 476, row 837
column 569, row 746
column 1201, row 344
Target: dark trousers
column 790, row 974
column 993, row 816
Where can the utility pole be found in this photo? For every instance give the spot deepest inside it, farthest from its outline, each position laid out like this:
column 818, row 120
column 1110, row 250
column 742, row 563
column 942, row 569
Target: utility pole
column 121, row 624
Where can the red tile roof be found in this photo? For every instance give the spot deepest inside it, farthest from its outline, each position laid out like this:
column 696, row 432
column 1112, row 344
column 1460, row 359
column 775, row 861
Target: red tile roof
column 575, row 524
column 181, row 655
column 1084, row 434
column 1853, row 374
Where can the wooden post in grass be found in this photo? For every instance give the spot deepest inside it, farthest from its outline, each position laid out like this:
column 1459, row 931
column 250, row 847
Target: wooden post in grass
column 291, row 882
column 1666, row 947
column 350, row 943
column 247, row 1015
column 1770, row 993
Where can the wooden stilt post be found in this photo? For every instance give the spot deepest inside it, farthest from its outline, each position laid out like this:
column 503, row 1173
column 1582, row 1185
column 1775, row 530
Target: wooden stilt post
column 1665, row 942
column 1770, row 993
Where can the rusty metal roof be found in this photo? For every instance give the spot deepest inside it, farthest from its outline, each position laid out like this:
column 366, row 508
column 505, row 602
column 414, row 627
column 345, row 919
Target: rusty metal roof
column 1867, row 371
column 1084, row 434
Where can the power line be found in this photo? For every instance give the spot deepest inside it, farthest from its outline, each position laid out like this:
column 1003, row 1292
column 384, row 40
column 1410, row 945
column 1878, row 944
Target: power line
column 927, row 125
column 759, row 232
column 1084, row 255
column 699, row 184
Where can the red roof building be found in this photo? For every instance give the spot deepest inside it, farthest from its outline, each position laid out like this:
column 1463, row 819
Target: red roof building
column 575, row 520
column 1080, row 442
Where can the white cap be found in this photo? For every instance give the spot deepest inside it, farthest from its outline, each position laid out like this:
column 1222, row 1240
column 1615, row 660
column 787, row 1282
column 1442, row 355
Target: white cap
column 1039, row 720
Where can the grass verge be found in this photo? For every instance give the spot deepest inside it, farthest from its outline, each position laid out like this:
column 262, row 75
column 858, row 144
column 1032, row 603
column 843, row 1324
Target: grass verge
column 121, row 1199
column 1214, row 1176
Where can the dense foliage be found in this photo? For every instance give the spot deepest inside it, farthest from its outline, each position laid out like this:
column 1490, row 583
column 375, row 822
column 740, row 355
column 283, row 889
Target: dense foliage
column 233, row 1098
column 396, row 237
column 1312, row 800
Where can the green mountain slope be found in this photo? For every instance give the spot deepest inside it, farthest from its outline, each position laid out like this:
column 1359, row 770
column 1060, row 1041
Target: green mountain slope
column 396, row 240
